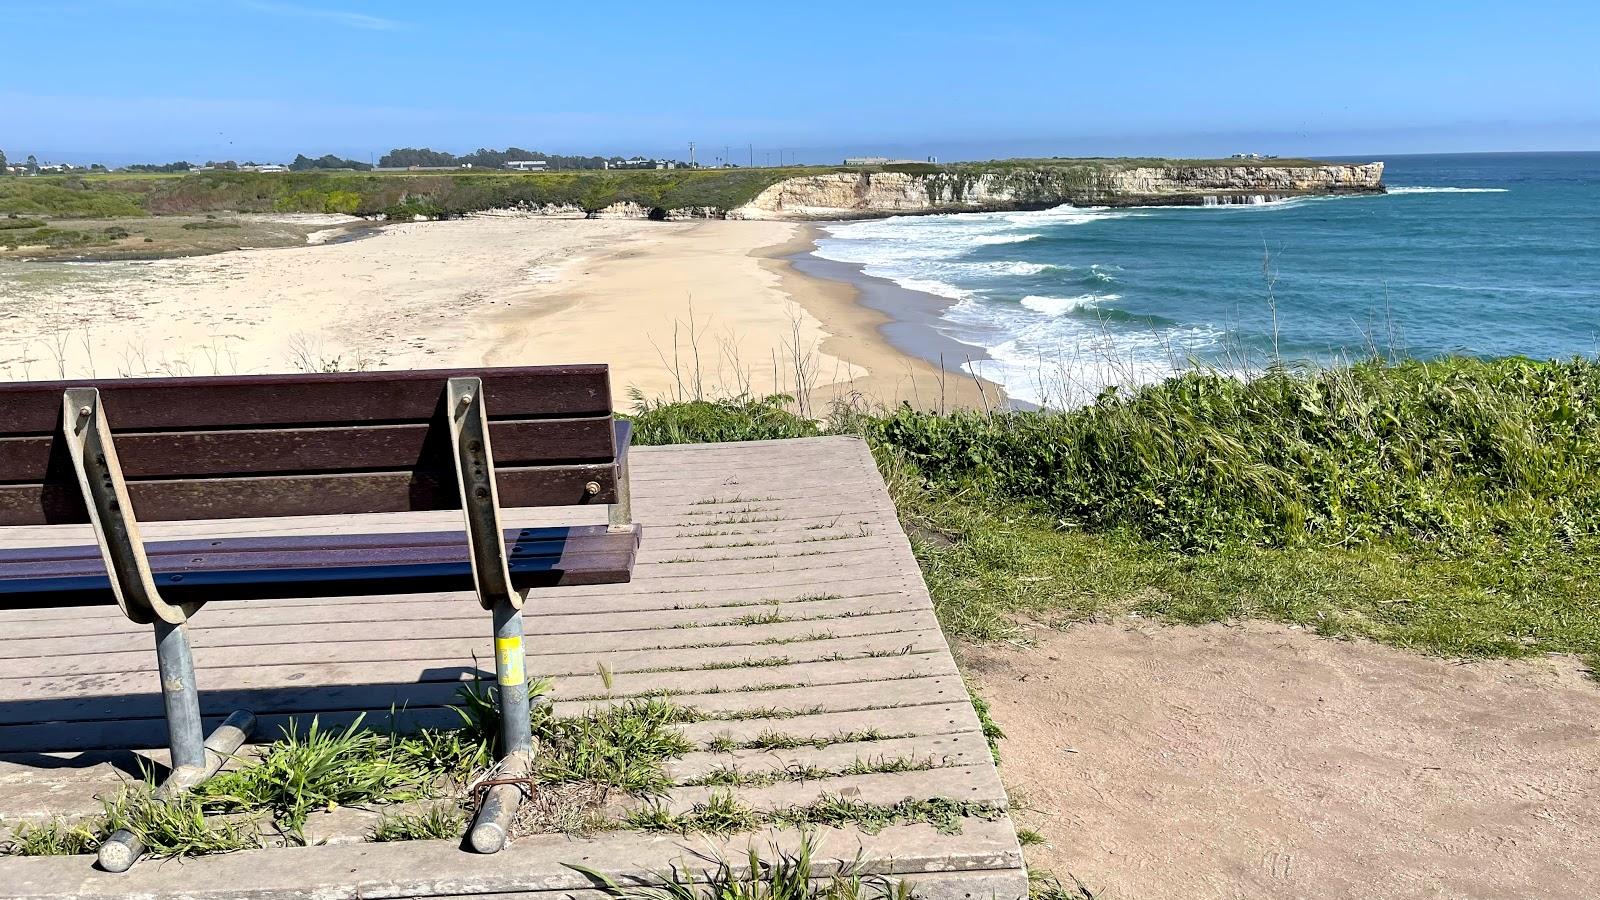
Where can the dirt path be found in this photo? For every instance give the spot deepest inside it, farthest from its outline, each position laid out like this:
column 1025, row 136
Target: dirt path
column 1260, row 761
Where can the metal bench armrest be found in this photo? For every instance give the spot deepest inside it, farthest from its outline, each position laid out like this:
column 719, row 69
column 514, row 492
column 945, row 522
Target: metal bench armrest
column 619, row 517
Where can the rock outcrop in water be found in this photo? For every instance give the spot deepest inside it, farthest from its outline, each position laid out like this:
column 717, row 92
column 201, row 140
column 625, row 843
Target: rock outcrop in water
column 844, row 195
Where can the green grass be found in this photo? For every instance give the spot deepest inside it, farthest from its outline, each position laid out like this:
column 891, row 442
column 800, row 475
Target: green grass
column 1521, row 595
column 1449, row 506
column 171, row 827
column 57, row 837
column 1045, row 886
column 991, row 731
column 722, row 813
column 791, row 876
column 620, row 746
column 705, row 421
column 732, row 776
column 316, row 770
column 178, row 826
column 439, row 822
column 779, row 740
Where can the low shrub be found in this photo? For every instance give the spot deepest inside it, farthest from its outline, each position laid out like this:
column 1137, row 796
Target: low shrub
column 1439, row 450
column 709, row 421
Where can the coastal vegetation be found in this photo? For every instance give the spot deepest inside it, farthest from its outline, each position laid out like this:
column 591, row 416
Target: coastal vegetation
column 599, row 770
column 318, row 188
column 370, row 194
column 146, row 237
column 1450, row 506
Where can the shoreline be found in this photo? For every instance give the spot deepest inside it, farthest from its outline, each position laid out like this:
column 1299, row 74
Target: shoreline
column 680, row 310
column 879, row 326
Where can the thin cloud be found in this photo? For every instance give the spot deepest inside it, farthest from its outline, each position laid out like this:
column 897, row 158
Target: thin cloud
column 342, row 17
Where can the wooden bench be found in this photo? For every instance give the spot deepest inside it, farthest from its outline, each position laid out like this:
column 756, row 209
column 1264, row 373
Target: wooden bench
column 117, row 453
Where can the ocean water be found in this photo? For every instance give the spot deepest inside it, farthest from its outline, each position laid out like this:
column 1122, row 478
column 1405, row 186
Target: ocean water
column 1483, row 254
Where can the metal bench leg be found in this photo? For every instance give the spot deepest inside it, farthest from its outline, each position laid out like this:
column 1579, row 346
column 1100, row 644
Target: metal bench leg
column 511, row 785
column 480, row 504
column 185, row 733
column 194, row 756
column 105, row 494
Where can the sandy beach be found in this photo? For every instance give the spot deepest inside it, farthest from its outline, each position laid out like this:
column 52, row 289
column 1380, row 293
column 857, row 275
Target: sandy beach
column 678, row 309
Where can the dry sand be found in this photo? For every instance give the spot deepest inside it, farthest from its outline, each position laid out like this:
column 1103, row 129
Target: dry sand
column 1262, row 761
column 491, row 290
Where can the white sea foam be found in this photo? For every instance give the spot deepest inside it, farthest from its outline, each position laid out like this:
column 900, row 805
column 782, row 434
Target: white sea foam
column 988, row 239
column 1060, row 306
column 931, row 286
column 1039, row 351
column 1414, row 189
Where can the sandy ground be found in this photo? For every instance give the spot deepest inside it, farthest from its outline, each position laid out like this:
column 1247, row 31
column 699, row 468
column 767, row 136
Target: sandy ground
column 1261, row 761
column 677, row 309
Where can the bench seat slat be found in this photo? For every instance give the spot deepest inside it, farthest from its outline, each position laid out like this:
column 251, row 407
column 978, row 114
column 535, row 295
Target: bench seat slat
column 383, row 564
column 269, row 542
column 255, row 451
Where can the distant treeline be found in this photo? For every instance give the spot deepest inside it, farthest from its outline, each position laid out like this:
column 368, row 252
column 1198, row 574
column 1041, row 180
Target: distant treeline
column 482, row 158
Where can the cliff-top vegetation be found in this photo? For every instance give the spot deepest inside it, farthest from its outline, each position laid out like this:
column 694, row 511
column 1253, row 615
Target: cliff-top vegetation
column 1450, row 506
column 452, row 193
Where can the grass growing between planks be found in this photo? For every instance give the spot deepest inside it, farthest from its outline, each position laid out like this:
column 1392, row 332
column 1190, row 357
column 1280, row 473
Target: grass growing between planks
column 584, row 762
column 438, row 822
column 723, row 813
column 171, row 827
column 792, row 876
column 620, row 748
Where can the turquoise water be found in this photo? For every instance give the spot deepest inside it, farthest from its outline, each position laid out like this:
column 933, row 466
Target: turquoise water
column 1485, row 254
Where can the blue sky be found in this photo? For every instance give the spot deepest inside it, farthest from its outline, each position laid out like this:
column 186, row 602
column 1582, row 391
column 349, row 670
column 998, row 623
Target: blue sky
column 127, row 80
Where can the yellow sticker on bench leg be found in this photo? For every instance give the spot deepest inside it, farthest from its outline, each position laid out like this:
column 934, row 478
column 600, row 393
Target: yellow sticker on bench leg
column 508, row 660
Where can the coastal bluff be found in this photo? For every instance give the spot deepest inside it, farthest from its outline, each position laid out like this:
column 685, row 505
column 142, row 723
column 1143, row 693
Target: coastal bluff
column 42, row 212
column 844, row 195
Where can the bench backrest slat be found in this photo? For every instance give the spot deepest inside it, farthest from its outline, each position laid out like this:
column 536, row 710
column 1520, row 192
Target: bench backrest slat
column 324, row 444
column 341, row 398
column 255, row 451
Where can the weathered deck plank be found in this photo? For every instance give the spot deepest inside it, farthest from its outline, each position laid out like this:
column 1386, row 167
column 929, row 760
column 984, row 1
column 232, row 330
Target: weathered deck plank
column 775, row 592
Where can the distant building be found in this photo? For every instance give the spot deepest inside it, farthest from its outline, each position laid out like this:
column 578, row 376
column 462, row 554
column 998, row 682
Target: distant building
column 885, row 161
column 639, row 162
column 264, row 167
column 527, row 165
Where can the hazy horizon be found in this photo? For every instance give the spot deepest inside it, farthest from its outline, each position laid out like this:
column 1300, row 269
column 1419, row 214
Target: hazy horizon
column 160, row 80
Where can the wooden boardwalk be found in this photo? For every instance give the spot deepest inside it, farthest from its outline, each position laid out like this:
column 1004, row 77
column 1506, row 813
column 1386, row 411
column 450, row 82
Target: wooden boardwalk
column 774, row 582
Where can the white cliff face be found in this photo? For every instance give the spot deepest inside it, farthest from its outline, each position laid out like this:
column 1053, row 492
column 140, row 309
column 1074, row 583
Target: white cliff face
column 1160, row 181
column 864, row 194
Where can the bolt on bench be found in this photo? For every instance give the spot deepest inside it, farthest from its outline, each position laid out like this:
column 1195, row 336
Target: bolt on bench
column 115, row 453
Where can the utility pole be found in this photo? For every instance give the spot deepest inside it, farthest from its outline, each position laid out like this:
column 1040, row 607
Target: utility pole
column 726, row 159
column 691, row 154
column 752, row 156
